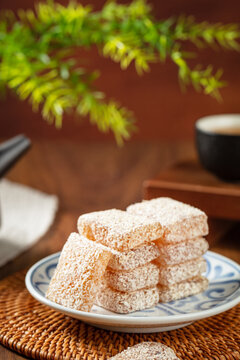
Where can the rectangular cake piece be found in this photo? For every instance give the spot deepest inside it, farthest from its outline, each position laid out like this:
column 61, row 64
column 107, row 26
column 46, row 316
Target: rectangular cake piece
column 118, row 229
column 80, row 269
column 183, row 289
column 172, row 274
column 124, row 303
column 147, row 351
column 179, row 221
column 136, row 257
column 145, row 276
column 171, row 254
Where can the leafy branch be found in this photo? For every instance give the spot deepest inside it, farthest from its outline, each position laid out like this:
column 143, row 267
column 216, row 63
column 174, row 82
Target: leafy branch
column 38, row 57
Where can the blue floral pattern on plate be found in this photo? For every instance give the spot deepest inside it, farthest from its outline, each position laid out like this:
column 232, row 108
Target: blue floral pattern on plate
column 222, row 273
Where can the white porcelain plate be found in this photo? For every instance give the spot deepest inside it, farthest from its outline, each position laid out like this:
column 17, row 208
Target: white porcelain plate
column 222, row 294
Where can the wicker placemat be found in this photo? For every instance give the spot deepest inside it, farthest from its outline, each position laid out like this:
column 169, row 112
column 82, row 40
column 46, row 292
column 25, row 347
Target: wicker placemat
column 34, row 330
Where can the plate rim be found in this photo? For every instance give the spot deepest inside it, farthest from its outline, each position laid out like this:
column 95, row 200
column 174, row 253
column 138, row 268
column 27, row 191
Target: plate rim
column 127, row 319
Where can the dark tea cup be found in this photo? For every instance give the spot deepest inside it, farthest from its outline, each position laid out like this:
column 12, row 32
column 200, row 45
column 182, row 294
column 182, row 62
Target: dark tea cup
column 218, row 145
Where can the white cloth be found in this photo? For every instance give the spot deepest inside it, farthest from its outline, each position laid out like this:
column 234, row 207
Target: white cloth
column 26, row 215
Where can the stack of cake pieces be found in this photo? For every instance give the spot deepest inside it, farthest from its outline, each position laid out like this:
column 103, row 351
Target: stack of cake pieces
column 180, row 262
column 130, row 260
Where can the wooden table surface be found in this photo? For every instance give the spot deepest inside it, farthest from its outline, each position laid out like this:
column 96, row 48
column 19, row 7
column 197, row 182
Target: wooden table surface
column 96, row 176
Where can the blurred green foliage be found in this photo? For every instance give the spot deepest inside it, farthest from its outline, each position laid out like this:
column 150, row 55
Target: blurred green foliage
column 38, row 56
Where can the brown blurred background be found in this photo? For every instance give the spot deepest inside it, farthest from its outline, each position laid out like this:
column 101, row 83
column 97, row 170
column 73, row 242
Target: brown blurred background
column 161, row 109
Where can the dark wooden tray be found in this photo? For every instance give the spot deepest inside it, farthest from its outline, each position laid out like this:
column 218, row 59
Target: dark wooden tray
column 189, row 182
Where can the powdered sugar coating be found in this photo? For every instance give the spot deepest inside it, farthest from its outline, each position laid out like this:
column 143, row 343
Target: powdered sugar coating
column 183, row 289
column 131, row 259
column 139, row 278
column 124, row 303
column 171, row 254
column 118, row 229
column 77, row 277
column 172, row 274
column 179, row 221
column 146, row 351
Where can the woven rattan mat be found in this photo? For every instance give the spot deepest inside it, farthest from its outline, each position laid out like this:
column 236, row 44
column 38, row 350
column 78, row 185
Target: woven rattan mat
column 34, row 330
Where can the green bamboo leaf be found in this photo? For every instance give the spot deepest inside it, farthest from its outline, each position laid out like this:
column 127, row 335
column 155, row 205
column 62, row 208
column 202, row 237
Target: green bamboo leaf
column 39, row 61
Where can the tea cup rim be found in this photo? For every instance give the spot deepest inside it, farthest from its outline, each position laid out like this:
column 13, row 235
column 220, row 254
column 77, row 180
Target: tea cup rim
column 207, row 123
